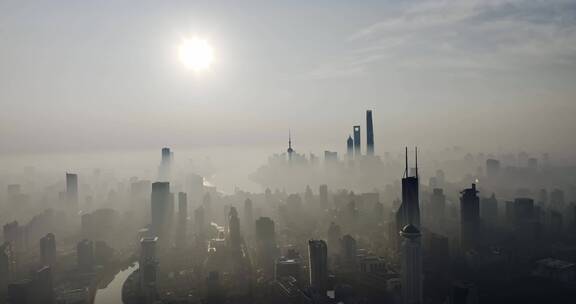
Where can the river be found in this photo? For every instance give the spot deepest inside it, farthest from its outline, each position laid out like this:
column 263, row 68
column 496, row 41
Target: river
column 112, row 294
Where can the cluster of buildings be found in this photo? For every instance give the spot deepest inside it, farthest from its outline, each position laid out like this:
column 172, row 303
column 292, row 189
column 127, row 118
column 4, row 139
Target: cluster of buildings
column 335, row 234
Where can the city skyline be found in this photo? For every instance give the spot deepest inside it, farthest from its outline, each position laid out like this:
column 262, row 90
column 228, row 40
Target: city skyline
column 263, row 152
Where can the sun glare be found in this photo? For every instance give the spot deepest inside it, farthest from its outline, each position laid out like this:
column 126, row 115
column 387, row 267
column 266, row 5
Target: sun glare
column 196, row 54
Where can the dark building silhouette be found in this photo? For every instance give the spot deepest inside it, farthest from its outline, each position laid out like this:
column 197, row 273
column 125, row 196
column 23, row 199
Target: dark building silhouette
column 160, row 200
column 489, row 209
column 350, row 148
column 526, row 220
column 215, row 294
column 148, row 265
column 266, row 249
column 357, row 142
column 48, row 249
column 15, row 234
column 333, row 239
column 199, row 221
column 438, row 251
column 39, row 289
column 469, row 218
column 181, row 236
column 7, row 265
column 348, row 253
column 85, row 255
column 287, row 267
column 437, row 208
column 523, row 210
column 248, row 218
column 234, row 230
column 409, row 211
column 103, row 253
column 318, row 261
column 369, row 134
column 195, row 188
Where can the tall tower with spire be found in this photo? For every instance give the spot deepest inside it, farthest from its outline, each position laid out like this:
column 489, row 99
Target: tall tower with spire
column 290, row 150
column 369, row 134
column 409, row 211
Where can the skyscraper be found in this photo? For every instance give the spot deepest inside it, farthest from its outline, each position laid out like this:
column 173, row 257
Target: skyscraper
column 72, row 191
column 7, row 265
column 160, row 198
column 489, row 209
column 469, row 218
column 411, row 271
column 48, row 249
column 409, row 211
column 42, row 287
column 148, row 268
column 234, row 229
column 199, row 221
column 348, row 252
column 369, row 134
column 357, row 148
column 182, row 206
column 181, row 236
column 85, row 255
column 318, row 260
column 165, row 164
column 248, row 218
column 437, row 207
column 350, row 148
column 195, row 187
column 266, row 250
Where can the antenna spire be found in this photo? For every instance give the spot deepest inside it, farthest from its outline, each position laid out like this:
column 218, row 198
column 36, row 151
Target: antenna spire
column 290, row 150
column 416, row 154
column 406, row 168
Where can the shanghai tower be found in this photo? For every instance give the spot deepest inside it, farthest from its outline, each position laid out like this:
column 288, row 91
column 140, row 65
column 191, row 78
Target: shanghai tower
column 369, row 134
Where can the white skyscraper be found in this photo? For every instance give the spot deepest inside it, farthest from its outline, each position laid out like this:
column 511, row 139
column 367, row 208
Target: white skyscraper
column 411, row 265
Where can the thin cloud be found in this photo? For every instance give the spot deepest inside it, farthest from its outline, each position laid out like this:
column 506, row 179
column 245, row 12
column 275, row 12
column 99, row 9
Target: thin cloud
column 466, row 35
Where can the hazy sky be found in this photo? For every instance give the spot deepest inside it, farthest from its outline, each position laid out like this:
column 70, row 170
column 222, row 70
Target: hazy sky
column 80, row 75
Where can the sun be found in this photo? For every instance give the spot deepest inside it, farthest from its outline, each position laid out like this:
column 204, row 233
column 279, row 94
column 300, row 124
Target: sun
column 196, row 54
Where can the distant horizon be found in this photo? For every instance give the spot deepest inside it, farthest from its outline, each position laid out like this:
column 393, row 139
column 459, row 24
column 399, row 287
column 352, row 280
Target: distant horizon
column 107, row 75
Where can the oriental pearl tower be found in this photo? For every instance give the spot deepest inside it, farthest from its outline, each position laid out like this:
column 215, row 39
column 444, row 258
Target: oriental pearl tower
column 290, row 150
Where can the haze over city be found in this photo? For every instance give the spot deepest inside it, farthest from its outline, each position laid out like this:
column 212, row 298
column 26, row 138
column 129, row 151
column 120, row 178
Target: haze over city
column 207, row 152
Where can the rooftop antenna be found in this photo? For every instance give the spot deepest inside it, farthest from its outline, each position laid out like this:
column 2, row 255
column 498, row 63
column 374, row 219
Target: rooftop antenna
column 289, row 139
column 416, row 154
column 406, row 169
